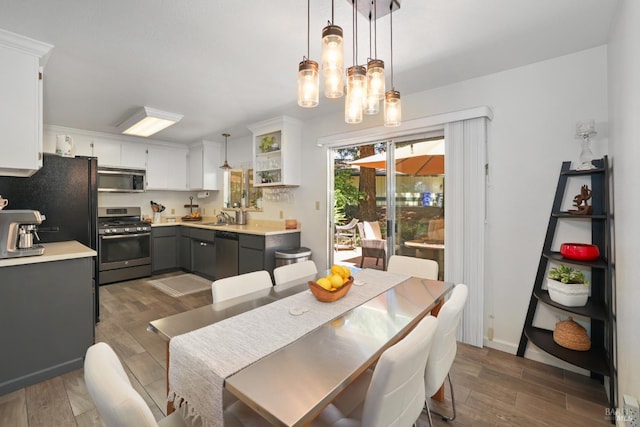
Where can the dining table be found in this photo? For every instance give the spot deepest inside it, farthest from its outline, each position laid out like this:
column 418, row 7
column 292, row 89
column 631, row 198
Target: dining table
column 285, row 354
column 429, row 250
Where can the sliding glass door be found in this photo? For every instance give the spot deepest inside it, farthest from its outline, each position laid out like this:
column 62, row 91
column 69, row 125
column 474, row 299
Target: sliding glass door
column 418, row 196
column 395, row 191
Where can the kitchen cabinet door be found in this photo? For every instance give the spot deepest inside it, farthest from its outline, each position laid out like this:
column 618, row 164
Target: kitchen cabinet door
column 21, row 62
column 133, row 155
column 204, row 166
column 166, row 168
column 203, row 255
column 108, row 152
column 184, row 248
column 164, row 250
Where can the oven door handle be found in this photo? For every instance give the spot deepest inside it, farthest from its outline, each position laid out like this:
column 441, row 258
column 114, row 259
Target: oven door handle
column 124, row 236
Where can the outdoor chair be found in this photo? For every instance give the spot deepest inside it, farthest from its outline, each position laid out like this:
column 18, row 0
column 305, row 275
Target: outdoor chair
column 373, row 245
column 346, row 235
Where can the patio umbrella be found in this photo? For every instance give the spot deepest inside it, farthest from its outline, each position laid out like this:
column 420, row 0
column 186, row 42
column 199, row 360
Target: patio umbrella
column 421, row 158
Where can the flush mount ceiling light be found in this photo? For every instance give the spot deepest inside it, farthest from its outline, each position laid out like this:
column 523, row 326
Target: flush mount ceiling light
column 225, row 165
column 148, row 121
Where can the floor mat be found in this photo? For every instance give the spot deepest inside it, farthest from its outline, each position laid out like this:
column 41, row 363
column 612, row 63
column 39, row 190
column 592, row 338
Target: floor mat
column 184, row 284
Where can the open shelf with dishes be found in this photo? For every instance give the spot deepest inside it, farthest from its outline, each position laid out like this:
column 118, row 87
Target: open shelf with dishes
column 277, row 153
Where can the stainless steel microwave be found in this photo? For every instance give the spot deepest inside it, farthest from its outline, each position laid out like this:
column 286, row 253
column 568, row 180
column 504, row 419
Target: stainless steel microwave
column 116, row 180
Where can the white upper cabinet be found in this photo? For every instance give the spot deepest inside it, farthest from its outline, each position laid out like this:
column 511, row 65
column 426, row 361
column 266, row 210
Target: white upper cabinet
column 204, row 166
column 21, row 61
column 133, row 155
column 108, row 152
column 276, row 152
column 166, row 168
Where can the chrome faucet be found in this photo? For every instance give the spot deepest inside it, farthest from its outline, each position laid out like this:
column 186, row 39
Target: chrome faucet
column 224, row 218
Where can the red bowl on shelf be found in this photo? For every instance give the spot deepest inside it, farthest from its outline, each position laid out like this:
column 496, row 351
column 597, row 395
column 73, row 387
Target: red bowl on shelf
column 579, row 251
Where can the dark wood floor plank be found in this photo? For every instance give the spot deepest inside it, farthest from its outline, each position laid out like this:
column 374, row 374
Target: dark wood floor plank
column 77, row 392
column 13, row 409
column 48, row 404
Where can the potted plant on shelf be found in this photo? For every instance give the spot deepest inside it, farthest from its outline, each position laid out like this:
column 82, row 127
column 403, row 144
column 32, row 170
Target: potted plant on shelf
column 567, row 286
column 267, row 143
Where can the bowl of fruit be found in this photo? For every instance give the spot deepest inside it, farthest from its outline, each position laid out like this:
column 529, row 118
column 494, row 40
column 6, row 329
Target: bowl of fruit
column 334, row 286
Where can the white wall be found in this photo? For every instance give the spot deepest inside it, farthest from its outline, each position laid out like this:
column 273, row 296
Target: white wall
column 624, row 110
column 536, row 108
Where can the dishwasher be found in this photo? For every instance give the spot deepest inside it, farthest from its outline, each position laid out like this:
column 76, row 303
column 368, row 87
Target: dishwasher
column 226, row 254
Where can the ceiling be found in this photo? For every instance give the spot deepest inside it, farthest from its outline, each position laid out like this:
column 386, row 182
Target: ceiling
column 226, row 64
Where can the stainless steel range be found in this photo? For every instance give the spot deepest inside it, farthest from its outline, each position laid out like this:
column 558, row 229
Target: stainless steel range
column 125, row 245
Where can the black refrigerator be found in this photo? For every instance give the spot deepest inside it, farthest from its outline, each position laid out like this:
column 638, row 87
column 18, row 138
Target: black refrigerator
column 65, row 191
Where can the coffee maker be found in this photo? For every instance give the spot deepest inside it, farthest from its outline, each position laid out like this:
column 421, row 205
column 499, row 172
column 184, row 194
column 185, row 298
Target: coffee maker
column 17, row 230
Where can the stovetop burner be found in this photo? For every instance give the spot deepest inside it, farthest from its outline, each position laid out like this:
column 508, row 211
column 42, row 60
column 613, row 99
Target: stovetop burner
column 121, row 221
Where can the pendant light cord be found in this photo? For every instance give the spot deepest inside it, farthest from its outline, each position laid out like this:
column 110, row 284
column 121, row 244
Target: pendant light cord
column 391, row 25
column 355, row 33
column 308, row 25
column 375, row 29
column 332, row 12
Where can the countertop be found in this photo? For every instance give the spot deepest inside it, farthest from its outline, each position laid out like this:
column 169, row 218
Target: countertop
column 53, row 252
column 264, row 228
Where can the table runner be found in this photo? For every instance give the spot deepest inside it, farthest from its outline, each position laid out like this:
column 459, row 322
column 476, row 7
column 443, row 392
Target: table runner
column 200, row 360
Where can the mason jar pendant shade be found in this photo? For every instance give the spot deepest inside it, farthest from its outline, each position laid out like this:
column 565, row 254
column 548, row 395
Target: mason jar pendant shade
column 392, row 108
column 392, row 104
column 332, row 61
column 375, row 86
column 308, row 83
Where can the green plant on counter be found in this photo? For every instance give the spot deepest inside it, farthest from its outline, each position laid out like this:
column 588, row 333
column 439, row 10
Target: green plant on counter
column 566, row 274
column 266, row 143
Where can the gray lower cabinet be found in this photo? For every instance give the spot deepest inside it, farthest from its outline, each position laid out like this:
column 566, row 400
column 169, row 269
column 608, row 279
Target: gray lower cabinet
column 164, row 249
column 259, row 252
column 184, row 248
column 46, row 310
column 195, row 250
column 203, row 253
column 250, row 253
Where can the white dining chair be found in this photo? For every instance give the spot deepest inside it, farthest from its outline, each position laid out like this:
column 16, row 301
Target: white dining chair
column 444, row 348
column 117, row 402
column 235, row 286
column 393, row 394
column 293, row 274
column 418, row 267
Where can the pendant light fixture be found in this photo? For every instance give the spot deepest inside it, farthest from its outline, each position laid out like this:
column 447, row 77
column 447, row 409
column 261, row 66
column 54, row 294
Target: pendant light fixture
column 356, row 81
column 225, row 165
column 332, row 59
column 392, row 104
column 375, row 70
column 308, row 78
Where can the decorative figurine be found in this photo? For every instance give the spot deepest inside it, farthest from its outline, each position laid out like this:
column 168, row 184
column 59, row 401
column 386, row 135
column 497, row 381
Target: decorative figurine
column 580, row 201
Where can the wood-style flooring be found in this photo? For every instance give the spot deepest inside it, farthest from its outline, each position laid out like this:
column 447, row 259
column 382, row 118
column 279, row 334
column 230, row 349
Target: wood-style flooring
column 492, row 388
